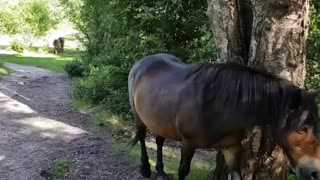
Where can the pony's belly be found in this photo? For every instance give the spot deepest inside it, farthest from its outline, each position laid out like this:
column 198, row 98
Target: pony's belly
column 219, row 143
column 162, row 128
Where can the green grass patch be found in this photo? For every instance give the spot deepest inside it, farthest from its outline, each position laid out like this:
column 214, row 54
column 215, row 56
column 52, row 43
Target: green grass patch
column 200, row 168
column 4, row 71
column 122, row 131
column 53, row 63
column 59, row 170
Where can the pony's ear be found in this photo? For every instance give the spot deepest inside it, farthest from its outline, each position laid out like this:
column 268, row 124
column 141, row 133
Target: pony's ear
column 296, row 99
column 314, row 92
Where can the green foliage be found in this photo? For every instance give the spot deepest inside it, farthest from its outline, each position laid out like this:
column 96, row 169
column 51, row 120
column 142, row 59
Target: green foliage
column 17, row 47
column 105, row 84
column 119, row 32
column 28, row 17
column 75, row 68
column 59, row 170
column 313, row 64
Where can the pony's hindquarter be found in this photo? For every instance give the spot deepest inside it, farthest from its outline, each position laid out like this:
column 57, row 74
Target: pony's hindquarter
column 153, row 91
column 136, row 88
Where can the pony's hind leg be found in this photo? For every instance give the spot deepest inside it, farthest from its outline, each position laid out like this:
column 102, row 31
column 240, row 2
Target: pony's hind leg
column 187, row 152
column 159, row 166
column 145, row 169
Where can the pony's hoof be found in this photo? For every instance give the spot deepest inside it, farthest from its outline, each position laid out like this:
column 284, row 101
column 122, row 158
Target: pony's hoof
column 145, row 172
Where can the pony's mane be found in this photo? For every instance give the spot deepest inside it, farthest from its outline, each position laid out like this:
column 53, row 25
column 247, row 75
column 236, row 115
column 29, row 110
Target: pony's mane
column 248, row 91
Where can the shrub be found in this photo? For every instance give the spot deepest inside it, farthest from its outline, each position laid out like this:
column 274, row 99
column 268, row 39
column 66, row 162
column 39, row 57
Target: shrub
column 44, row 49
column 75, row 68
column 33, row 49
column 17, row 47
column 107, row 85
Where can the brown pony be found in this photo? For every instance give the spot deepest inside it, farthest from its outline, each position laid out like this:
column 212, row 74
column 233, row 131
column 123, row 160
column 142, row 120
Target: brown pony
column 61, row 39
column 214, row 106
column 57, row 46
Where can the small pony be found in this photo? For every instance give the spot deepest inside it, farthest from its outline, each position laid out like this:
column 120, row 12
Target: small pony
column 61, row 39
column 57, row 46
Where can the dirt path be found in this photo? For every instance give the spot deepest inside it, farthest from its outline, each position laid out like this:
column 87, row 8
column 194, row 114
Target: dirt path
column 38, row 126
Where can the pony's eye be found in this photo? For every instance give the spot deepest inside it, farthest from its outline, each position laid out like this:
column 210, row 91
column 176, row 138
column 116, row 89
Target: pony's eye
column 304, row 129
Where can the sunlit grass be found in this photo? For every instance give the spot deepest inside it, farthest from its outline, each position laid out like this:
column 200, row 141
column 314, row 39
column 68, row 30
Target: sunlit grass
column 52, row 62
column 4, row 70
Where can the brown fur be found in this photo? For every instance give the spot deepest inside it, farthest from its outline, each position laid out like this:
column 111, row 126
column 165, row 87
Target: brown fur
column 57, row 46
column 303, row 144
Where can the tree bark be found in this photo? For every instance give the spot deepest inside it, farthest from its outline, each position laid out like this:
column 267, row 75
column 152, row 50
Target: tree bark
column 269, row 34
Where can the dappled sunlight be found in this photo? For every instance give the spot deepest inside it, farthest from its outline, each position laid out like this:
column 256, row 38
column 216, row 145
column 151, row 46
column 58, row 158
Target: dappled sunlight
column 114, row 121
column 52, row 128
column 4, row 70
column 152, row 162
column 7, row 105
column 32, row 54
column 46, row 127
column 167, row 150
column 28, row 54
column 8, row 52
column 2, row 157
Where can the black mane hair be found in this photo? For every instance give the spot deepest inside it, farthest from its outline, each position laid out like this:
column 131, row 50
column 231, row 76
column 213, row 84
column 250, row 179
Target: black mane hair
column 249, row 92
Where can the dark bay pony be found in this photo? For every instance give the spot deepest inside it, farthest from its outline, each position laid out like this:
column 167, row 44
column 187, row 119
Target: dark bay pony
column 214, row 105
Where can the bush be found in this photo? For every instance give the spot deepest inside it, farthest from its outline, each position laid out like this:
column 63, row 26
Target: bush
column 17, row 47
column 105, row 85
column 33, row 49
column 313, row 63
column 44, row 49
column 75, row 68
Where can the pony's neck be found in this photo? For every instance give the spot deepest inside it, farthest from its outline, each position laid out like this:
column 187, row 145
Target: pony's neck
column 247, row 91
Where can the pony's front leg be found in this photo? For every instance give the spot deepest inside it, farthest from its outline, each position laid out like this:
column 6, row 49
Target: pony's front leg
column 232, row 156
column 187, row 152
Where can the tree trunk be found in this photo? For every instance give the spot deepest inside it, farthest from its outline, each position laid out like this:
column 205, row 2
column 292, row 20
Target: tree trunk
column 268, row 34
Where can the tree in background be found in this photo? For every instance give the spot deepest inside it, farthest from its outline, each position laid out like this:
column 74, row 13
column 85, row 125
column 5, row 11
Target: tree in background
column 29, row 18
column 266, row 34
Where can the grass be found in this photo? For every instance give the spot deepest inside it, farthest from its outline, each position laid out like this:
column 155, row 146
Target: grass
column 4, row 71
column 59, row 170
column 121, row 131
column 47, row 61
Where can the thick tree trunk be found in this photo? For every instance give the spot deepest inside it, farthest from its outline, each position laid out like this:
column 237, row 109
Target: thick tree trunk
column 269, row 34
